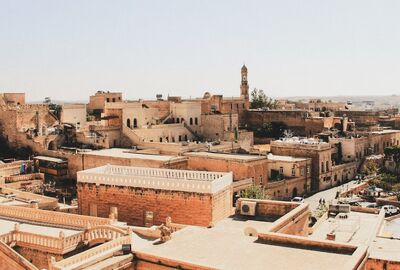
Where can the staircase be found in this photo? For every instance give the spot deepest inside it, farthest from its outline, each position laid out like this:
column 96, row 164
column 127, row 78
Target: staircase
column 131, row 135
column 166, row 118
column 197, row 137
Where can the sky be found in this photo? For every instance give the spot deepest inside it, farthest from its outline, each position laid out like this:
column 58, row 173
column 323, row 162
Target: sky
column 69, row 49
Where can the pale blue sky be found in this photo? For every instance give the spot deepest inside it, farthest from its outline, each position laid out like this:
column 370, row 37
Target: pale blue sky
column 69, row 49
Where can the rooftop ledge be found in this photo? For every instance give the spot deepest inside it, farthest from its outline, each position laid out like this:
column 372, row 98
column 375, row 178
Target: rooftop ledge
column 165, row 179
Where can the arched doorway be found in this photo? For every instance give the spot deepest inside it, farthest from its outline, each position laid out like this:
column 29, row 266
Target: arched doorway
column 294, row 192
column 128, row 122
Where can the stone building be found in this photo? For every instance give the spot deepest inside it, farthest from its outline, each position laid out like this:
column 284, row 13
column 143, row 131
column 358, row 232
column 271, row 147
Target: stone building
column 74, row 114
column 319, row 152
column 379, row 140
column 12, row 98
column 288, row 176
column 38, row 239
column 243, row 167
column 300, row 122
column 123, row 157
column 147, row 196
column 98, row 101
column 30, row 125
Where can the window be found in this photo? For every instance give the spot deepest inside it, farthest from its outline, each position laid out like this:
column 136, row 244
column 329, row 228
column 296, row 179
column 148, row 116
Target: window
column 281, row 170
column 302, row 171
column 113, row 99
column 108, row 100
column 160, row 139
column 196, row 122
column 322, row 167
column 135, row 123
column 237, row 107
column 128, row 122
column 327, row 166
column 191, row 121
column 293, row 171
column 177, row 120
column 180, row 138
column 243, row 105
column 186, row 138
column 308, row 170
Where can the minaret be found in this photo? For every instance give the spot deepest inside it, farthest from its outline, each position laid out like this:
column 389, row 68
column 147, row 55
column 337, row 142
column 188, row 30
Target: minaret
column 244, row 86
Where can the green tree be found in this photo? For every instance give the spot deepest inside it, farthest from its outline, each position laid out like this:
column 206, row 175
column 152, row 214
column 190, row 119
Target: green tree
column 254, row 192
column 393, row 152
column 260, row 100
column 370, row 167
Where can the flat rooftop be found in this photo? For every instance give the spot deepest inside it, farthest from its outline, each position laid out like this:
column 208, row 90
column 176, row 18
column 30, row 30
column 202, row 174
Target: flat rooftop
column 152, row 178
column 385, row 249
column 386, row 131
column 285, row 158
column 225, row 246
column 237, row 157
column 129, row 154
column 357, row 229
column 298, row 140
column 7, row 226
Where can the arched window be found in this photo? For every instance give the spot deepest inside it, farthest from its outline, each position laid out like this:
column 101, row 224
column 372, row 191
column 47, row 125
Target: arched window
column 128, row 122
column 135, row 123
column 177, row 120
column 196, row 122
column 191, row 121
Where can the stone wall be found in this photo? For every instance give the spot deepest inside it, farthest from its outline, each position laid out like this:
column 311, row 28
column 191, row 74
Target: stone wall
column 38, row 258
column 132, row 204
column 10, row 259
column 317, row 154
column 376, row 264
column 257, row 170
column 80, row 162
column 297, row 121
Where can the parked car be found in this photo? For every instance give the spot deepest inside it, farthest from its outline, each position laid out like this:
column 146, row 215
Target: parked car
column 372, row 205
column 390, row 209
column 298, row 199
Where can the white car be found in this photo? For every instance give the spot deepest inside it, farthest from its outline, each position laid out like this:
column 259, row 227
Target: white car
column 298, row 199
column 390, row 209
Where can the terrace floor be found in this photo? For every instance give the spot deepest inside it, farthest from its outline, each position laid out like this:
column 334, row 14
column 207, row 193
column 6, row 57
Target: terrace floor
column 226, row 246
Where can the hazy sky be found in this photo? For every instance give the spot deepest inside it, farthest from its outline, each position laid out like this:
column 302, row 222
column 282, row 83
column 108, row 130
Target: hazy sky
column 69, row 49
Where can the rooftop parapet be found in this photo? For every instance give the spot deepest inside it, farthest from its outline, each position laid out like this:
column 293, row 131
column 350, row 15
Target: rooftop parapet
column 301, row 142
column 180, row 180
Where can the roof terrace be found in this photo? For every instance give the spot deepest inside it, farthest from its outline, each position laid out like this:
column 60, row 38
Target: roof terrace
column 166, row 179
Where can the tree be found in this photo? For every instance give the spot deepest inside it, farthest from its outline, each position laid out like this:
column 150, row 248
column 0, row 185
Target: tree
column 370, row 167
column 260, row 100
column 254, row 192
column 271, row 130
column 393, row 152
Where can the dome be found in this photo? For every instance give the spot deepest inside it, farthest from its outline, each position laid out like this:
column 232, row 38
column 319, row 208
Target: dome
column 206, row 95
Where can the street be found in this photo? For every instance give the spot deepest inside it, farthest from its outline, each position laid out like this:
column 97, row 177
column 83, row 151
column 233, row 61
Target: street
column 328, row 195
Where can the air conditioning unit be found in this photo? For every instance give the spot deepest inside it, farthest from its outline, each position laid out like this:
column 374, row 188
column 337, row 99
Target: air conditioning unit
column 248, row 208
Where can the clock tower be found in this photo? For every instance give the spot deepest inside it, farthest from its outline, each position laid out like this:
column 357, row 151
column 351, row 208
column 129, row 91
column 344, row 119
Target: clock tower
column 244, row 86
